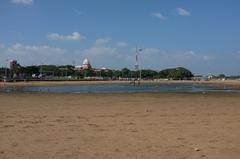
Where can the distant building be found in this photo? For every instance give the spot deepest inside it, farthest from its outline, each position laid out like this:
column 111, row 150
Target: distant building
column 13, row 64
column 198, row 78
column 96, row 73
column 85, row 66
column 212, row 77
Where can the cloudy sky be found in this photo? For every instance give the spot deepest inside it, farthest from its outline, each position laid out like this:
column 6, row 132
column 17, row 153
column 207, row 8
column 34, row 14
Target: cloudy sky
column 203, row 36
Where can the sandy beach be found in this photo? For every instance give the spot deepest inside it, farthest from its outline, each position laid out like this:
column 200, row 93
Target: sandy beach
column 102, row 126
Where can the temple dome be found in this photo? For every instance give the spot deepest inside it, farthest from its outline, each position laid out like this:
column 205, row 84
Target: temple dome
column 86, row 62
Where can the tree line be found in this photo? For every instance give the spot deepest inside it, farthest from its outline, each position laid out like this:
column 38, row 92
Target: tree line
column 68, row 71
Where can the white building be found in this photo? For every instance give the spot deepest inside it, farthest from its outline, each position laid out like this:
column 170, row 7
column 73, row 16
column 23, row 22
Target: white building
column 86, row 65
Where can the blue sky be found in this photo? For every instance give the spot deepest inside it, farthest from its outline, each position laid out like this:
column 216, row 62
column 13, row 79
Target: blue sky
column 203, row 36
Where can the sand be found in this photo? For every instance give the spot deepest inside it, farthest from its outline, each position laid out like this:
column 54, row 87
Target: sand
column 119, row 126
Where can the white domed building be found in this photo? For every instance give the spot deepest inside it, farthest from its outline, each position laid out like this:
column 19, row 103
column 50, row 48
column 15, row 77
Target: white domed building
column 85, row 66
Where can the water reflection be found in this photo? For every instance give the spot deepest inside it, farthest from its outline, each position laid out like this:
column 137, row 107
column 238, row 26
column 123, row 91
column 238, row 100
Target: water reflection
column 108, row 88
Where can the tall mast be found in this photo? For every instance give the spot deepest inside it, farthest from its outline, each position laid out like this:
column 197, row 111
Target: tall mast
column 137, row 64
column 136, row 60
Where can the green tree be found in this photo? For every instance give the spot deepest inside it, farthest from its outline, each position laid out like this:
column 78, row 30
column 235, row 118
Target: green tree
column 88, row 73
column 117, row 74
column 222, row 76
column 109, row 73
column 178, row 73
column 126, row 72
column 149, row 74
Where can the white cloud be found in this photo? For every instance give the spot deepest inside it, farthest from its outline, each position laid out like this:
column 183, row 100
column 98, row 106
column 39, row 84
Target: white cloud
column 151, row 50
column 122, row 44
column 99, row 51
column 208, row 58
column 191, row 55
column 34, row 54
column 159, row 15
column 185, row 55
column 102, row 41
column 26, row 2
column 149, row 58
column 102, row 54
column 183, row 12
column 19, row 48
column 73, row 36
column 154, row 58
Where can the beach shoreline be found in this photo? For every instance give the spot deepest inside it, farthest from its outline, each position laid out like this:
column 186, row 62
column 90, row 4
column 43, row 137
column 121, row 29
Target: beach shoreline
column 233, row 83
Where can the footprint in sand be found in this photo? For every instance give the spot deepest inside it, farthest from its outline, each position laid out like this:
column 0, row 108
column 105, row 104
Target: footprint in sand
column 8, row 126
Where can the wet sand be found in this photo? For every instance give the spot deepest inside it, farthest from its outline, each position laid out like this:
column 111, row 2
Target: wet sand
column 119, row 126
column 232, row 83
